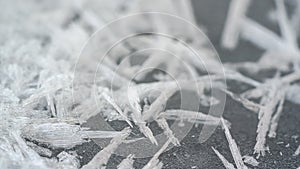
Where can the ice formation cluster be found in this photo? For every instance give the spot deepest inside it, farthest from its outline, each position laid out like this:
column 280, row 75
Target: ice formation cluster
column 43, row 109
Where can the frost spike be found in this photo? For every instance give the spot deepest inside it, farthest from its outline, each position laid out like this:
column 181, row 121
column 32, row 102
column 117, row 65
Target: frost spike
column 261, row 36
column 111, row 101
column 127, row 163
column 275, row 119
column 236, row 14
column 147, row 132
column 192, row 116
column 237, row 157
column 297, row 152
column 250, row 160
column 269, row 102
column 154, row 162
column 134, row 99
column 159, row 104
column 291, row 77
column 102, row 157
column 233, row 75
column 40, row 150
column 286, row 30
column 162, row 123
column 226, row 163
column 62, row 135
column 245, row 102
column 137, row 118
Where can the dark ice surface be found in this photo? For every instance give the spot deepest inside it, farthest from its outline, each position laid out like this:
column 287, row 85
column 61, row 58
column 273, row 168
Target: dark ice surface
column 192, row 154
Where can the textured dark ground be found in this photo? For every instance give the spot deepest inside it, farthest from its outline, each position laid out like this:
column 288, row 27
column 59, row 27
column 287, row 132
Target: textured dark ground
column 212, row 14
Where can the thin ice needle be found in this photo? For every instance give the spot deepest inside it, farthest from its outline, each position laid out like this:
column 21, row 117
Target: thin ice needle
column 225, row 162
column 110, row 101
column 237, row 157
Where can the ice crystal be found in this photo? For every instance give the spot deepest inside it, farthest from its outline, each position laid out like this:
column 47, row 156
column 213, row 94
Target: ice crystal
column 191, row 116
column 40, row 150
column 62, row 135
column 127, row 163
column 297, row 152
column 226, row 163
column 233, row 148
column 250, row 160
column 154, row 162
column 162, row 123
column 102, row 157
